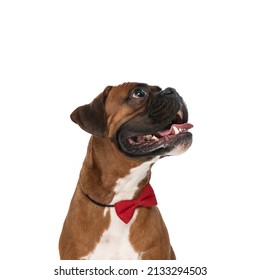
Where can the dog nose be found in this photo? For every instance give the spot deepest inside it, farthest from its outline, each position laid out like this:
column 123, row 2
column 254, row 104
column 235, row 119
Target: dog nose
column 169, row 91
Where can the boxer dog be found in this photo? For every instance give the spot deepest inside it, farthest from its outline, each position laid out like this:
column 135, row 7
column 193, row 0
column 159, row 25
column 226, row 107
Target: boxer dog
column 113, row 212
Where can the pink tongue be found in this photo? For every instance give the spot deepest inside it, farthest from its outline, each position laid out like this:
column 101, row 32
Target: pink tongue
column 183, row 126
column 170, row 131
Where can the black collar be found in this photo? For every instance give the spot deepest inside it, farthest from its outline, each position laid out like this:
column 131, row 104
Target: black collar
column 99, row 203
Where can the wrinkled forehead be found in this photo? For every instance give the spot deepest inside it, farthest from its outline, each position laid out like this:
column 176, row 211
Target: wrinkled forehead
column 119, row 95
column 117, row 106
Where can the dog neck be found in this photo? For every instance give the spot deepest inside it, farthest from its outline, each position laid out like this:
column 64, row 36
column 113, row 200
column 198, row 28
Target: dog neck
column 112, row 181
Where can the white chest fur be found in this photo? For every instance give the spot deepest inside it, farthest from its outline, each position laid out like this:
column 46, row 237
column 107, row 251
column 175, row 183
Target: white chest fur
column 114, row 242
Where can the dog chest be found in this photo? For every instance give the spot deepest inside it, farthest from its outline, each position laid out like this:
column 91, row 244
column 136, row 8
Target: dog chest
column 114, row 243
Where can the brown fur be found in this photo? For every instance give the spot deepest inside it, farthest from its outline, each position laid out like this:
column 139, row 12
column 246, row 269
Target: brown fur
column 103, row 165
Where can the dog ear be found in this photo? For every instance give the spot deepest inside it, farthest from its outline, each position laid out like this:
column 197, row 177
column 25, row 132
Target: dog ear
column 92, row 117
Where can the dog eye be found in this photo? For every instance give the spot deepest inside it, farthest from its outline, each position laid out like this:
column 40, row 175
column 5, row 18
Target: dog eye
column 139, row 93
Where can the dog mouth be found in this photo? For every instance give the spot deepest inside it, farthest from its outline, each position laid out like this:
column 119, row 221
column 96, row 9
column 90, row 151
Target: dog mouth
column 160, row 141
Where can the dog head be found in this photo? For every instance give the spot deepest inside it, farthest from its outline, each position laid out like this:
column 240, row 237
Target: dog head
column 141, row 120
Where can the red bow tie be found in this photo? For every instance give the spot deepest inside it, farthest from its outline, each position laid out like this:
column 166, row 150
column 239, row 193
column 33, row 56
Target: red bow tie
column 125, row 209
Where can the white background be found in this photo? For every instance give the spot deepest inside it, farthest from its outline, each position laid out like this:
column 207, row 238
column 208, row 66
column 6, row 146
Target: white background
column 57, row 55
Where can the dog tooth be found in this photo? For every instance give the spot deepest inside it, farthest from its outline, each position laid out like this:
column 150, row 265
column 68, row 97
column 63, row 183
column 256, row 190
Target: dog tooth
column 180, row 114
column 147, row 137
column 154, row 138
column 176, row 130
